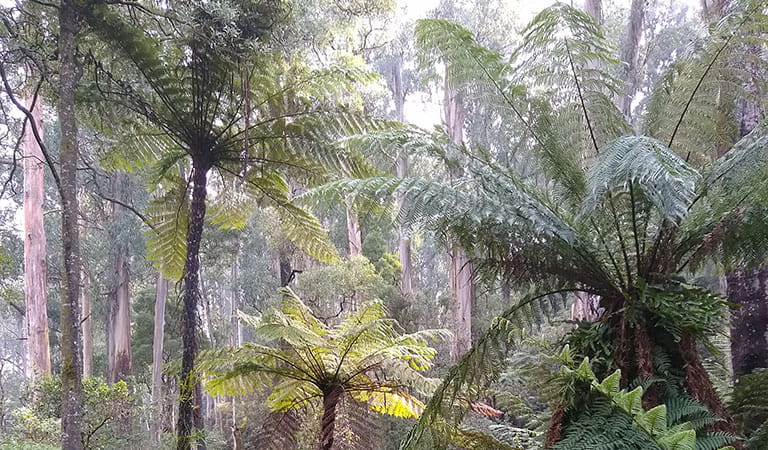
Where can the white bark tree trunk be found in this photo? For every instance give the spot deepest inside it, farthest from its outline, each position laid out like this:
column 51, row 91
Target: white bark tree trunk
column 404, row 242
column 354, row 235
column 37, row 334
column 461, row 266
column 161, row 296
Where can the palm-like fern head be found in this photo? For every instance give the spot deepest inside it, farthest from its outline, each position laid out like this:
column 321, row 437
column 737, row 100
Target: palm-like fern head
column 229, row 104
column 301, row 358
column 617, row 215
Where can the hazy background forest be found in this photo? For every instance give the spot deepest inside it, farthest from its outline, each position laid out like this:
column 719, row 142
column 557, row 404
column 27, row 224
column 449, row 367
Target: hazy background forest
column 381, row 224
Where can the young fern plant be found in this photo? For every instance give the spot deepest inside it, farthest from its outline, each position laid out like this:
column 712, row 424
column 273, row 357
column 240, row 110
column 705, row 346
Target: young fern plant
column 304, row 362
column 619, row 217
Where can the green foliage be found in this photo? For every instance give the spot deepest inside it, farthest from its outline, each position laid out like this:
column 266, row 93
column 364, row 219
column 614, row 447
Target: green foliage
column 644, row 211
column 750, row 408
column 365, row 355
column 599, row 426
column 107, row 414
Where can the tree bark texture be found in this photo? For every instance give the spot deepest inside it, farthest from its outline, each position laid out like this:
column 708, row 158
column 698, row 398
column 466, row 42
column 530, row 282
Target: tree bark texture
column 37, row 335
column 749, row 320
column 189, row 387
column 71, row 367
column 119, row 322
column 629, row 51
column 328, row 423
column 158, row 335
column 461, row 266
column 87, row 321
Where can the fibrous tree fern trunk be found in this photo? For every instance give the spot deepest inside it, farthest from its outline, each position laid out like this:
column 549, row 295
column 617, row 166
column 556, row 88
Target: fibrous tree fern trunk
column 71, row 368
column 189, row 388
column 331, row 399
column 36, row 334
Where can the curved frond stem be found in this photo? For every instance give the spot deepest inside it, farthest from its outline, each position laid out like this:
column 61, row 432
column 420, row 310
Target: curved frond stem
column 608, row 251
column 581, row 98
column 700, row 82
column 635, row 235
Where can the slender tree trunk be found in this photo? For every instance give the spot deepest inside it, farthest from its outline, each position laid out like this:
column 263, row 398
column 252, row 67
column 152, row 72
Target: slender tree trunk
column 461, row 266
column 286, row 268
column 189, row 388
column 404, row 242
column 36, row 313
column 328, row 422
column 354, row 235
column 85, row 304
column 629, row 50
column 161, row 296
column 71, row 367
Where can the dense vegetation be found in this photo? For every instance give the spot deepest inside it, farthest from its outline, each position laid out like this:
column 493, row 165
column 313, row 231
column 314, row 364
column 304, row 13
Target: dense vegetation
column 346, row 224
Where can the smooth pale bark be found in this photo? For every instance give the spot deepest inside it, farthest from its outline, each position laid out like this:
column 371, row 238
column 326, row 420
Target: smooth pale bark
column 595, row 9
column 403, row 242
column 161, row 296
column 354, row 235
column 36, row 313
column 461, row 266
column 119, row 330
column 85, row 304
column 629, row 51
column 120, row 322
column 71, row 367
column 189, row 386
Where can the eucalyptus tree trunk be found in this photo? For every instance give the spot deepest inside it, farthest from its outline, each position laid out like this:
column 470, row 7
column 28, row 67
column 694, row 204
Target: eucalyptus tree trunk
column 119, row 321
column 629, row 51
column 36, row 333
column 461, row 266
column 161, row 296
column 354, row 235
column 71, row 367
column 403, row 242
column 119, row 364
column 189, row 387
column 85, row 304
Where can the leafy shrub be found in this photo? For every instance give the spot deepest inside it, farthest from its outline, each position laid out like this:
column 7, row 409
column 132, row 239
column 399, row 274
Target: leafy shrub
column 107, row 413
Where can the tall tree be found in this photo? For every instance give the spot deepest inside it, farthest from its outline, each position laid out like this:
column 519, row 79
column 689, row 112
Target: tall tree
column 87, row 322
column 461, row 266
column 71, row 367
column 119, row 359
column 36, row 314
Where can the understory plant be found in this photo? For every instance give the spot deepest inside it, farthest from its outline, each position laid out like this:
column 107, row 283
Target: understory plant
column 362, row 359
